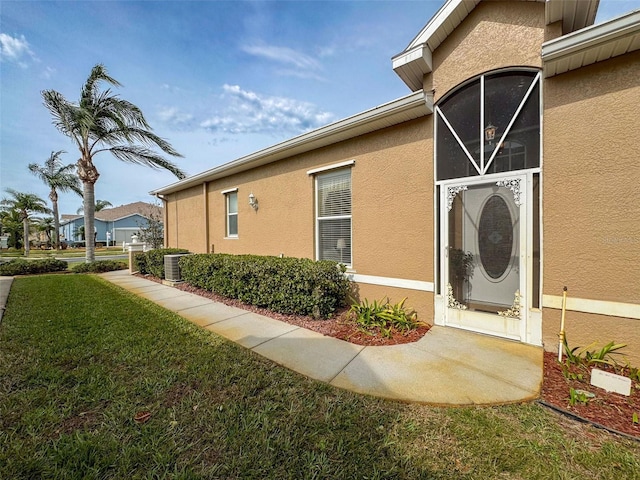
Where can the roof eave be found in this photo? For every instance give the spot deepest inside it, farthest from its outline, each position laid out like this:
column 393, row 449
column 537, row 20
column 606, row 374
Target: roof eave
column 411, row 66
column 410, row 107
column 591, row 45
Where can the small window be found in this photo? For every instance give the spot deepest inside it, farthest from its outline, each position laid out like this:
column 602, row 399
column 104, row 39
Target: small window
column 232, row 214
column 333, row 216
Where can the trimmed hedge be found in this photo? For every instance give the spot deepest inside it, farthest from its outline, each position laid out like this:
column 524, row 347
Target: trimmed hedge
column 20, row 266
column 285, row 285
column 99, row 266
column 152, row 262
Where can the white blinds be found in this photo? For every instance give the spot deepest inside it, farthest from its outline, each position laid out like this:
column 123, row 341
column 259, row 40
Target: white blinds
column 334, row 216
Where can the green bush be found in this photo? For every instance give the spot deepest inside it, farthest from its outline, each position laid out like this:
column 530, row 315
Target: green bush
column 20, row 266
column 100, row 266
column 285, row 285
column 152, row 262
column 384, row 317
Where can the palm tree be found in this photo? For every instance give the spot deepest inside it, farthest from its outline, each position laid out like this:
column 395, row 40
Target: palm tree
column 103, row 122
column 25, row 204
column 100, row 205
column 12, row 225
column 57, row 177
column 46, row 225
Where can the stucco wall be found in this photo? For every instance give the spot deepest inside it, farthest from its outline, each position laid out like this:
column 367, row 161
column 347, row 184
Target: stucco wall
column 185, row 228
column 591, row 210
column 593, row 331
column 494, row 35
column 591, row 207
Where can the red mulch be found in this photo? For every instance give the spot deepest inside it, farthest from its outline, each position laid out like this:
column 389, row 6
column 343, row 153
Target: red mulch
column 338, row 326
column 611, row 410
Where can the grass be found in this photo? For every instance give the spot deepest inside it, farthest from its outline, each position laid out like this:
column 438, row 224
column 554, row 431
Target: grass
column 80, row 357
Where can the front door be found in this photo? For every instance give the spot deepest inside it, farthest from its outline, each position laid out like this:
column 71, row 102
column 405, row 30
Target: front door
column 484, row 266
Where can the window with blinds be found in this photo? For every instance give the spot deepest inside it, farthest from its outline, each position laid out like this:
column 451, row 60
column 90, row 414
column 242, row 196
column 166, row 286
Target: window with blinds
column 232, row 214
column 333, row 217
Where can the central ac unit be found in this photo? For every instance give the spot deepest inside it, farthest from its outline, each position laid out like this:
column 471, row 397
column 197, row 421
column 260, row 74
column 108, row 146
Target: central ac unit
column 172, row 268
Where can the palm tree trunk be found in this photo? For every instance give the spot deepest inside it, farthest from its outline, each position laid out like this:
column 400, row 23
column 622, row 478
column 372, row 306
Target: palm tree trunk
column 88, row 194
column 56, row 223
column 25, row 232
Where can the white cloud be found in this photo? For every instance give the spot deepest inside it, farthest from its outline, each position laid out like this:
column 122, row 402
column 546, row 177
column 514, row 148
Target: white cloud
column 174, row 116
column 249, row 112
column 14, row 49
column 48, row 72
column 299, row 64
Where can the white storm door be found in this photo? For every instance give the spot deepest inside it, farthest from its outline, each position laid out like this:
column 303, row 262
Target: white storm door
column 485, row 255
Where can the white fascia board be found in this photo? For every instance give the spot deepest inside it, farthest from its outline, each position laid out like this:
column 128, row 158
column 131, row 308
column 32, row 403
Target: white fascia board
column 417, row 104
column 438, row 20
column 412, row 65
column 591, row 37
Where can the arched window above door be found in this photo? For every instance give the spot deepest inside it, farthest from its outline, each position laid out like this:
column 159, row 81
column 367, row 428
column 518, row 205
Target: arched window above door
column 489, row 125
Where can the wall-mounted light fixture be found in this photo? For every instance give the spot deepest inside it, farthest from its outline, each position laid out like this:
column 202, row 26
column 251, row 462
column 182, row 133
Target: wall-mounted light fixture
column 253, row 201
column 489, row 132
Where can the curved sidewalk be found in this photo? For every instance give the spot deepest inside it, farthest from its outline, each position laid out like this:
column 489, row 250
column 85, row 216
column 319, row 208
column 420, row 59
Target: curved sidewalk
column 446, row 367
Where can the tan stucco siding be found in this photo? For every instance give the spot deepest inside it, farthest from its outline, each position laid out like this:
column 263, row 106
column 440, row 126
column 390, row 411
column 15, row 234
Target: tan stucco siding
column 393, row 204
column 495, row 35
column 284, row 216
column 186, row 220
column 591, row 208
column 593, row 331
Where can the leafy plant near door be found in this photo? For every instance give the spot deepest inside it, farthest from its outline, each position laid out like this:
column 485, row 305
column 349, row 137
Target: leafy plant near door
column 582, row 398
column 383, row 317
column 460, row 269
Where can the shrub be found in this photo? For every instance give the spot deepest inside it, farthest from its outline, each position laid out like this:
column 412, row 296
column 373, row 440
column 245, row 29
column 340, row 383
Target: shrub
column 100, row 266
column 384, row 317
column 21, row 266
column 285, row 285
column 152, row 262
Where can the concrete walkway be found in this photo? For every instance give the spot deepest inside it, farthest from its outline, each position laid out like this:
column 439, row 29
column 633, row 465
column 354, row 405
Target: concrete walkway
column 5, row 286
column 446, row 367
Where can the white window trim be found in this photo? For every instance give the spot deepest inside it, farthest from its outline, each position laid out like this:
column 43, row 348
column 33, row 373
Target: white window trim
column 229, row 190
column 338, row 217
column 348, row 163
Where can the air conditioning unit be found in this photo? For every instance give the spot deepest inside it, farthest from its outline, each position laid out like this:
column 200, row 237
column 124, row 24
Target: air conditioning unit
column 171, row 268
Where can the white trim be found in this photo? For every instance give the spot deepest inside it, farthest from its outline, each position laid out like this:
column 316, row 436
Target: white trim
column 598, row 307
column 229, row 190
column 592, row 44
column 348, row 163
column 391, row 282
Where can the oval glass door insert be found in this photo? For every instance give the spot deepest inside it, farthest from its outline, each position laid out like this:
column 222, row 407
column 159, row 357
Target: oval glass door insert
column 495, row 237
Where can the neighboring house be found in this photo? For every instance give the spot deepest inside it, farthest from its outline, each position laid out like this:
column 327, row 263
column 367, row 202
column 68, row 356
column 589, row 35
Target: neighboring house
column 511, row 171
column 120, row 222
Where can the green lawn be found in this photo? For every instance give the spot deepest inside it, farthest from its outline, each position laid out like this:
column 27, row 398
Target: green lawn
column 80, row 357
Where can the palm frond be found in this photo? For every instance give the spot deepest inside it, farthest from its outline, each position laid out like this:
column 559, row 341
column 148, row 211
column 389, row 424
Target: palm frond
column 144, row 156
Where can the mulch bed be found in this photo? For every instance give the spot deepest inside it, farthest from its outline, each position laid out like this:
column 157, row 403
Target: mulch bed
column 610, row 410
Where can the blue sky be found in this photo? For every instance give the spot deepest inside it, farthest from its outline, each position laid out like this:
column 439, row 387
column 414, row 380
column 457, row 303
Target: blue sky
column 218, row 80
